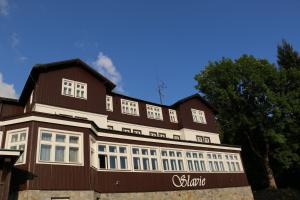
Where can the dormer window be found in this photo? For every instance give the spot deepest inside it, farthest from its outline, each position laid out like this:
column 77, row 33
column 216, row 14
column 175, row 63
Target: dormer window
column 198, row 116
column 109, row 103
column 74, row 89
column 129, row 107
column 154, row 112
column 173, row 116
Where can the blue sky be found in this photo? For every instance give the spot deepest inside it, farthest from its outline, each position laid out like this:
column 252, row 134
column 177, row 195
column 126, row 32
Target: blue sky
column 138, row 43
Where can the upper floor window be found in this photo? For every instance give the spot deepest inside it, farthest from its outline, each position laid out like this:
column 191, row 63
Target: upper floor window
column 198, row 116
column 173, row 116
column 74, row 89
column 126, row 130
column 109, row 103
column 136, row 131
column 154, row 112
column 60, row 147
column 17, row 140
column 129, row 107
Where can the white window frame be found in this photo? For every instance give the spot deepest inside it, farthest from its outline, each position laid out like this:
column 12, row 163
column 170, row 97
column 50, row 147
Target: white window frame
column 1, row 136
column 198, row 116
column 8, row 142
column 170, row 158
column 129, row 107
column 109, row 103
column 143, row 156
column 173, row 116
column 84, row 90
column 68, row 87
column 198, row 159
column 66, row 145
column 216, row 161
column 154, row 112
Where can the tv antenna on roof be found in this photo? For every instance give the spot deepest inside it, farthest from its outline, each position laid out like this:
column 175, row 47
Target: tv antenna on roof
column 160, row 88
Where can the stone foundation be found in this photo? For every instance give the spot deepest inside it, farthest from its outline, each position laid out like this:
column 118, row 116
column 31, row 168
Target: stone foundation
column 234, row 193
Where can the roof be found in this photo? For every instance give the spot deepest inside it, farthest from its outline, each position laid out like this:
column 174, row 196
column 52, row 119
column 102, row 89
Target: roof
column 9, row 100
column 39, row 68
column 192, row 97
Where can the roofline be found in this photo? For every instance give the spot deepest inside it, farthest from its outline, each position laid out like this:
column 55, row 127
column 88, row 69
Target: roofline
column 9, row 100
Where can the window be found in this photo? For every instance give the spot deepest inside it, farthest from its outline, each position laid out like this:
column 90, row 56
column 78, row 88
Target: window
column 199, row 138
column 173, row 116
column 195, row 161
column 172, row 160
column 74, row 89
column 206, row 139
column 17, row 140
column 154, row 112
column 109, row 103
column 137, row 131
column 163, row 135
column 114, row 157
column 126, row 130
column 145, row 159
column 93, row 155
column 154, row 134
column 56, row 146
column 198, row 116
column 232, row 165
column 215, row 162
column 68, row 87
column 129, row 107
column 110, row 127
column 176, row 137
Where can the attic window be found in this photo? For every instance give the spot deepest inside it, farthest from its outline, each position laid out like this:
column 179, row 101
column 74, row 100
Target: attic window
column 74, row 89
column 198, row 116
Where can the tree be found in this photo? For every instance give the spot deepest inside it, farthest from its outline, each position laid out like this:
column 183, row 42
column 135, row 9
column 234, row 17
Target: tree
column 245, row 92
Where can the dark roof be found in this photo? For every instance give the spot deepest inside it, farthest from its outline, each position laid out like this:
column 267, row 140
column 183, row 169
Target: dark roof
column 192, row 97
column 9, row 100
column 39, row 68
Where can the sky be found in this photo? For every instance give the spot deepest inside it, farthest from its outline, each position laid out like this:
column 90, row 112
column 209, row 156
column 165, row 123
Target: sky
column 139, row 44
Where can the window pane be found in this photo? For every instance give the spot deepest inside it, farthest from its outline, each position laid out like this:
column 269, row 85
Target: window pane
column 122, row 149
column 135, row 151
column 46, row 136
column 153, row 152
column 146, row 164
column 74, row 139
column 180, row 165
column 190, row 164
column 145, row 151
column 171, row 153
column 113, row 162
column 173, row 165
column 136, row 163
column 101, row 148
column 73, row 154
column 59, row 153
column 197, row 167
column 45, row 152
column 102, row 161
column 22, row 136
column 203, row 168
column 123, row 162
column 14, row 138
column 154, row 164
column 164, row 153
column 112, row 149
column 166, row 164
column 21, row 147
column 211, row 167
column 60, row 138
column 13, row 147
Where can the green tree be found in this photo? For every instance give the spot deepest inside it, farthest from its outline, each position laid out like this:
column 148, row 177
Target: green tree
column 245, row 92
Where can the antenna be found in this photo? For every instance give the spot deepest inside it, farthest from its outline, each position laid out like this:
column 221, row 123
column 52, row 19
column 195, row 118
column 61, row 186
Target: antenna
column 160, row 88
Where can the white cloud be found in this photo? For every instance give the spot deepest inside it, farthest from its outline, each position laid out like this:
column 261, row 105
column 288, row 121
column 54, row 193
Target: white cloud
column 23, row 58
column 105, row 66
column 7, row 90
column 15, row 40
column 4, row 7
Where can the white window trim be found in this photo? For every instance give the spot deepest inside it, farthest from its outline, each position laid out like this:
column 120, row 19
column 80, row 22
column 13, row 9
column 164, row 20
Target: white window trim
column 85, row 89
column 174, row 114
column 149, row 156
column 62, row 87
column 136, row 107
column 10, row 132
column 73, row 91
column 110, row 99
column 64, row 132
column 199, row 113
column 148, row 106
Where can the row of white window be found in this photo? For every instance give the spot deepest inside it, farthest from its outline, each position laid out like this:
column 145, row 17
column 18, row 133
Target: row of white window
column 74, row 89
column 107, row 156
column 153, row 112
column 202, row 139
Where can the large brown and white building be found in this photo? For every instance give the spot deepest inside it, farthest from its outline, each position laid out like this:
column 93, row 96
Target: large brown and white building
column 81, row 140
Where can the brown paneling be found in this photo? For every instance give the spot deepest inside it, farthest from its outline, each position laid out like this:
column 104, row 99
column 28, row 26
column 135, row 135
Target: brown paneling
column 7, row 110
column 187, row 120
column 49, row 85
column 147, row 182
column 116, row 115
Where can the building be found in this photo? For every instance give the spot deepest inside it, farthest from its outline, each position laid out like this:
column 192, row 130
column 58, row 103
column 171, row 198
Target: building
column 81, row 140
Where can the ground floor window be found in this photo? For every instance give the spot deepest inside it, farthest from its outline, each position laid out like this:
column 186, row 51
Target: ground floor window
column 114, row 157
column 58, row 146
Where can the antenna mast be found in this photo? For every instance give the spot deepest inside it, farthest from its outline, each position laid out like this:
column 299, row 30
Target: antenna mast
column 161, row 86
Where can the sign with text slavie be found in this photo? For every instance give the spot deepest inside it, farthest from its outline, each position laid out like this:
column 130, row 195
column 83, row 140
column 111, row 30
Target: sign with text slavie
column 186, row 181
